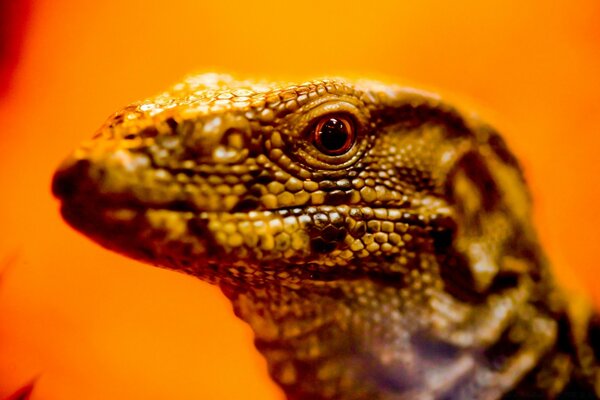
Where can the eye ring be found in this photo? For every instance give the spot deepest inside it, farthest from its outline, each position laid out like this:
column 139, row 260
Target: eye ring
column 334, row 135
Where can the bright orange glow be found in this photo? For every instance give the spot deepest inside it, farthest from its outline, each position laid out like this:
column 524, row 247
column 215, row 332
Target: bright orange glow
column 94, row 325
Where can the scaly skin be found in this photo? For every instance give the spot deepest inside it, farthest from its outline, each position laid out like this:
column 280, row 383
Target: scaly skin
column 400, row 265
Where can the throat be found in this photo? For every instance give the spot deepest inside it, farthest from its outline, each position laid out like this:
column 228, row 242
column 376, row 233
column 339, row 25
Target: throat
column 320, row 342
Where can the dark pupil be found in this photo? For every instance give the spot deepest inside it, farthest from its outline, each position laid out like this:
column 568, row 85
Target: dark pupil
column 333, row 135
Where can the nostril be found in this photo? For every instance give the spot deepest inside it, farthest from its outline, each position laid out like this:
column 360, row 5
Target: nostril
column 68, row 177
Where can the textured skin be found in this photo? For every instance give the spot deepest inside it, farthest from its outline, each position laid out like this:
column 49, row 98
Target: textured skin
column 406, row 267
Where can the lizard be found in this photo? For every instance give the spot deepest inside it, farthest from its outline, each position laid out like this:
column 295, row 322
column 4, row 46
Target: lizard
column 377, row 239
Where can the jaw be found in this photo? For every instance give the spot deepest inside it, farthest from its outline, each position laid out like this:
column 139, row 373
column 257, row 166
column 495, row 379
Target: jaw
column 156, row 236
column 215, row 246
column 170, row 239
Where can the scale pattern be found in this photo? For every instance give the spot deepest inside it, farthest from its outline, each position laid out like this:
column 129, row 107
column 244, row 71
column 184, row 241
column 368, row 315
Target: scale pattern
column 402, row 267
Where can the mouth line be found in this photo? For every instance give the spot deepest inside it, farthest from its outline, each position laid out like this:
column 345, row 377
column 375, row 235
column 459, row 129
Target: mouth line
column 123, row 226
column 106, row 202
column 85, row 212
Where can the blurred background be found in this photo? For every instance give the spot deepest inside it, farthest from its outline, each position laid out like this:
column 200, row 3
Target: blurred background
column 89, row 324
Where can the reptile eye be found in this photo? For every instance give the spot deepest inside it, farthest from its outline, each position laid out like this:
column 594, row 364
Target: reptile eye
column 334, row 135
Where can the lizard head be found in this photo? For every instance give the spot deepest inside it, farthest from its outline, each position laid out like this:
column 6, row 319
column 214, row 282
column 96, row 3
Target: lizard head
column 323, row 209
column 253, row 181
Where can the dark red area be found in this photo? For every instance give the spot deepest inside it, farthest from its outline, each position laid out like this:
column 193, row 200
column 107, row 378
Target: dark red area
column 13, row 22
column 23, row 393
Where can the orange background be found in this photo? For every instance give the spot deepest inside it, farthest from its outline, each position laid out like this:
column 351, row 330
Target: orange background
column 94, row 325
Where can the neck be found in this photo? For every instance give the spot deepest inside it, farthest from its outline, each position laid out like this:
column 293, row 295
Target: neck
column 330, row 339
